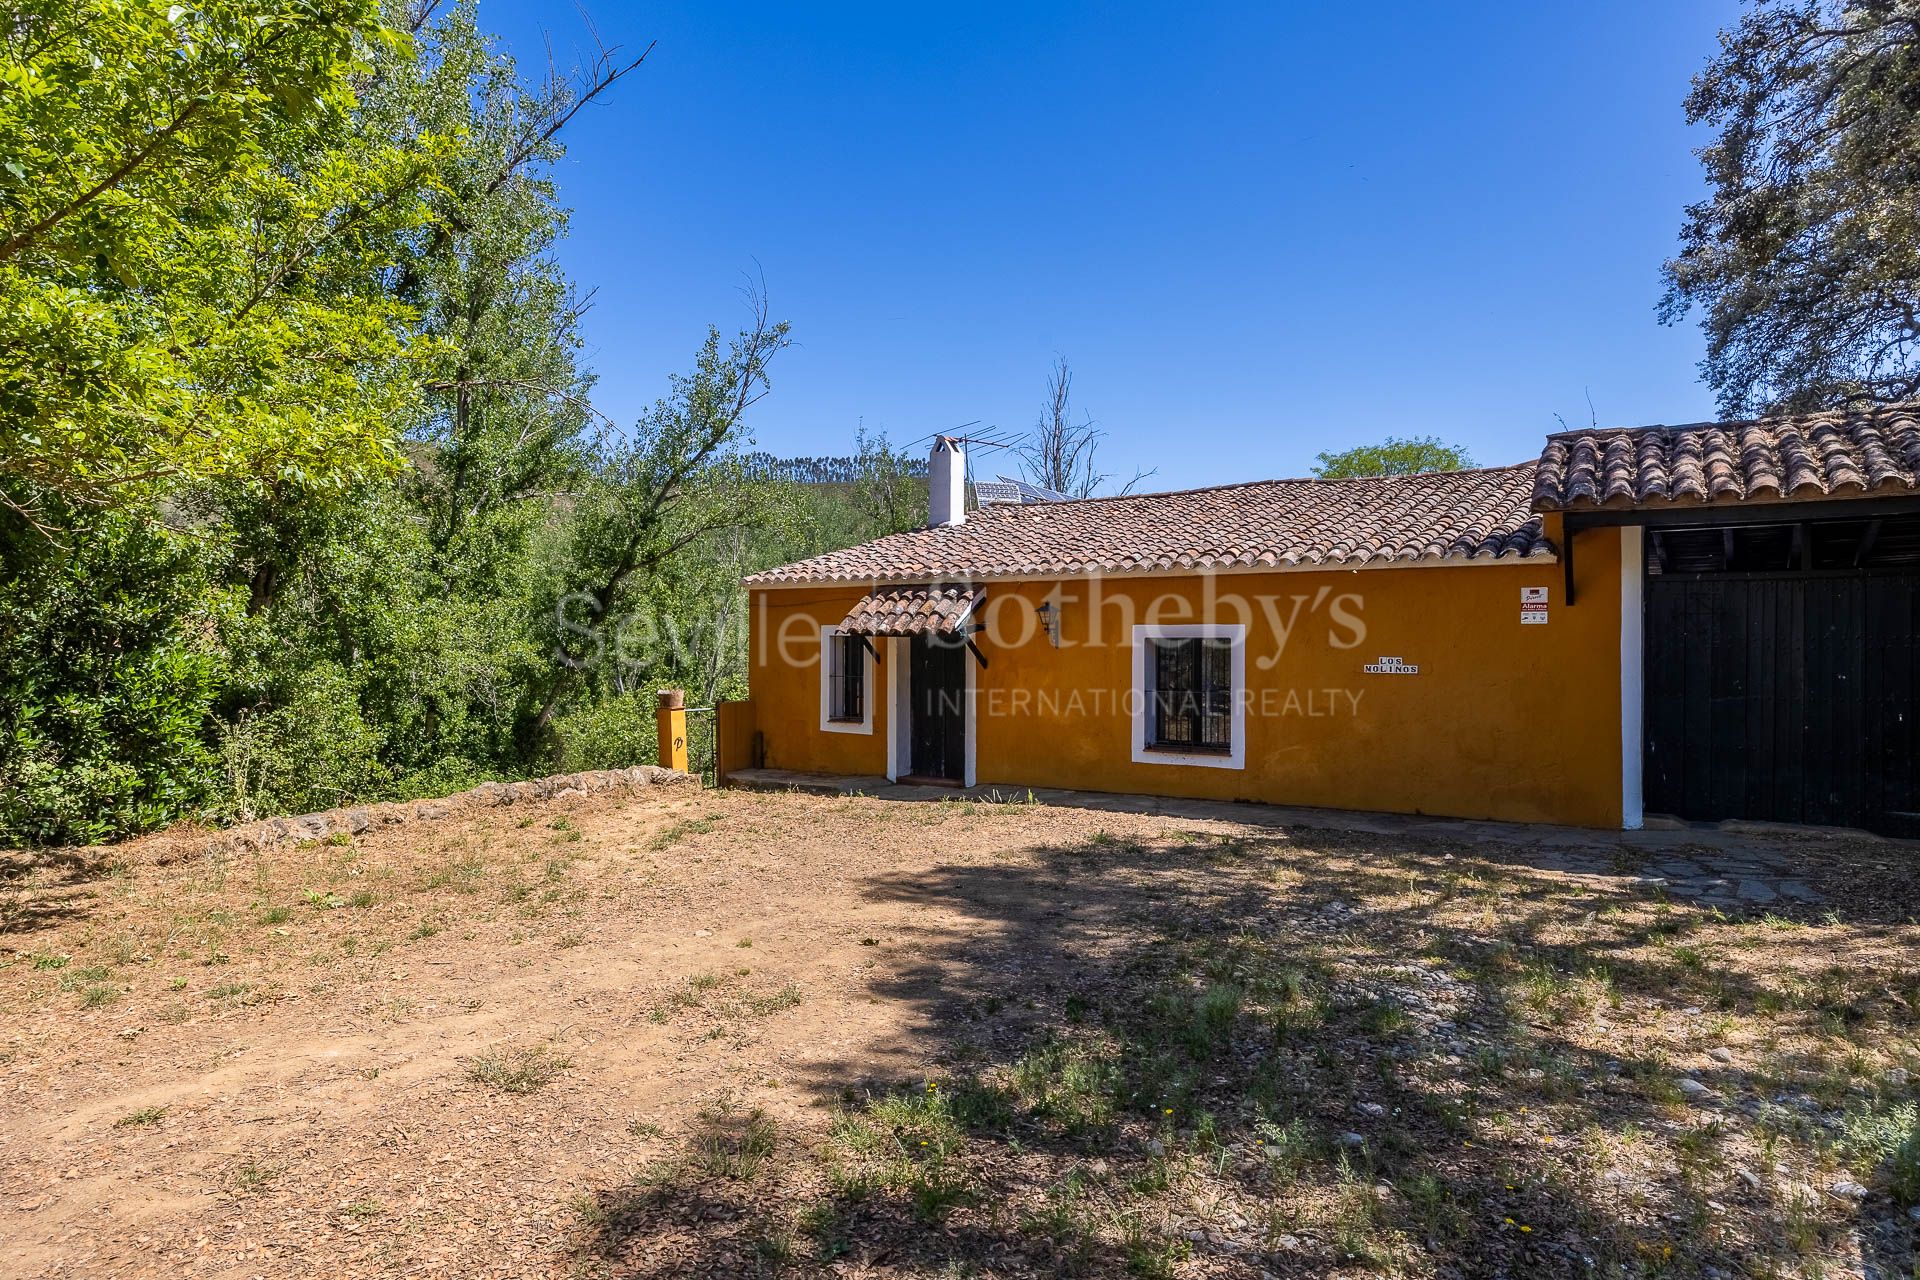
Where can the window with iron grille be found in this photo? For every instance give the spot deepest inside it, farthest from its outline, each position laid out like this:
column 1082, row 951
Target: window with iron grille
column 1192, row 694
column 846, row 674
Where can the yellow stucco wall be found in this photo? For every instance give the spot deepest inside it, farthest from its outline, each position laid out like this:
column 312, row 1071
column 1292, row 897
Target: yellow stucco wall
column 784, row 684
column 1502, row 720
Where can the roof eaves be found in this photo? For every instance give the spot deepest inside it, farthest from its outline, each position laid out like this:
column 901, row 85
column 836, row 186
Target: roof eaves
column 1541, row 549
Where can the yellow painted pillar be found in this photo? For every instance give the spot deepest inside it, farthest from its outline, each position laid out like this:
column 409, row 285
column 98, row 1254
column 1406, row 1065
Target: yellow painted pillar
column 671, row 721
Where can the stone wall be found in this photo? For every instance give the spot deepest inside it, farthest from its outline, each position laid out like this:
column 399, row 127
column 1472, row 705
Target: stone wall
column 270, row 832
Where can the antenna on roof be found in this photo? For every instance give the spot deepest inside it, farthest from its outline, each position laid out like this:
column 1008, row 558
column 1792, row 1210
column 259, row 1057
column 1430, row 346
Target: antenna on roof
column 933, row 435
column 991, row 438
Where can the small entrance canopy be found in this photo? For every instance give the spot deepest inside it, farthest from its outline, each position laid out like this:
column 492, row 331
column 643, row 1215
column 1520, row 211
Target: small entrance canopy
column 913, row 611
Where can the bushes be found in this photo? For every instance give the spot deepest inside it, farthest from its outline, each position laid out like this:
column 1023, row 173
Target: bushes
column 614, row 733
column 312, row 751
column 444, row 777
column 138, row 687
column 108, row 671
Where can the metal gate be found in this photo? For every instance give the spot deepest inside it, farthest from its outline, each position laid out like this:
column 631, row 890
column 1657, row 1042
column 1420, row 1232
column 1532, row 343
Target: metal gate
column 703, row 745
column 1784, row 696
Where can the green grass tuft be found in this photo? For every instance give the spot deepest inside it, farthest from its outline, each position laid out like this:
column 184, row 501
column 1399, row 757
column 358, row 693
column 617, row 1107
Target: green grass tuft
column 525, row 1070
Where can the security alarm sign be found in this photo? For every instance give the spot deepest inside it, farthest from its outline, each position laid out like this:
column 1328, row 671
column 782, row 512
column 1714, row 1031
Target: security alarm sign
column 1533, row 606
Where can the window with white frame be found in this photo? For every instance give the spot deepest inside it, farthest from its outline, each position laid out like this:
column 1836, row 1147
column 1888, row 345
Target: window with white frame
column 845, row 682
column 1188, row 695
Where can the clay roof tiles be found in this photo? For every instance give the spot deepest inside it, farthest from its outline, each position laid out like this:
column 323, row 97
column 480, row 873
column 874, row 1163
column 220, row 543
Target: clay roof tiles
column 1272, row 524
column 911, row 611
column 1838, row 454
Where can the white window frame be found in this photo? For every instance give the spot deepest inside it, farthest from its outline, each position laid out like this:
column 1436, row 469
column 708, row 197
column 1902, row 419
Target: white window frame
column 1235, row 635
column 828, row 634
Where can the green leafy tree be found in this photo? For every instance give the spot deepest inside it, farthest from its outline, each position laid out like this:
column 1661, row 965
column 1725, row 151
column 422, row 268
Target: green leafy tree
column 679, row 480
column 106, row 682
column 422, row 598
column 1393, row 457
column 1805, row 258
column 507, row 403
column 298, row 461
column 192, row 238
column 889, row 488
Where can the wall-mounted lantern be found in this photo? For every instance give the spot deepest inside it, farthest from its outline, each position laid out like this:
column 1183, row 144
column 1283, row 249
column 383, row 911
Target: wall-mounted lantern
column 1049, row 615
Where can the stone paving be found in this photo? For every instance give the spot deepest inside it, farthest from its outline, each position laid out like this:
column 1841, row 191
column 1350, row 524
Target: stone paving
column 1743, row 866
column 1720, row 879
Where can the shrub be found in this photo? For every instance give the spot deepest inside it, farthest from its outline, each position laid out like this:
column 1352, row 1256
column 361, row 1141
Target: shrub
column 107, row 674
column 613, row 733
column 442, row 778
column 312, row 750
column 1903, row 1169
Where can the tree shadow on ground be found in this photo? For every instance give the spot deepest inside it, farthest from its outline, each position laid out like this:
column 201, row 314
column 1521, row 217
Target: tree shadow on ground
column 41, row 888
column 1286, row 1054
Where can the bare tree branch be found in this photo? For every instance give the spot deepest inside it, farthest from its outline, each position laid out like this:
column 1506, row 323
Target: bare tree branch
column 563, row 104
column 1059, row 453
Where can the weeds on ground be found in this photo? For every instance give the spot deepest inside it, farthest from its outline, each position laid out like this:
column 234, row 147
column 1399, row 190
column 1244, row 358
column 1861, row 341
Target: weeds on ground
column 689, row 995
column 362, row 1211
column 675, row 832
column 733, row 1142
column 1225, row 1062
column 522, row 1070
column 785, row 998
column 251, row 1176
column 912, row 1143
column 1884, row 1143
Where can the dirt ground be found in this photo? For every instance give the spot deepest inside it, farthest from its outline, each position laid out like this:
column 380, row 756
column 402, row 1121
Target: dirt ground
column 727, row 1033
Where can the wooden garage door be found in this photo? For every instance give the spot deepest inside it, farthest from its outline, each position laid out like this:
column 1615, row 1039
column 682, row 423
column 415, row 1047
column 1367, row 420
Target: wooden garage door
column 1782, row 696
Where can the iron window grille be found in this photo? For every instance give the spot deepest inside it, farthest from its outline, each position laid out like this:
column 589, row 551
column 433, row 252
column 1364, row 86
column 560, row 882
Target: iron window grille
column 847, row 678
column 1192, row 694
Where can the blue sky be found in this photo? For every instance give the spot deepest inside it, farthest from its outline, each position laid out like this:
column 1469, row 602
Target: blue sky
column 1256, row 230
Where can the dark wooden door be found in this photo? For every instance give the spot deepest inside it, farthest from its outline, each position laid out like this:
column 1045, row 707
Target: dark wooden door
column 1785, row 697
column 937, row 688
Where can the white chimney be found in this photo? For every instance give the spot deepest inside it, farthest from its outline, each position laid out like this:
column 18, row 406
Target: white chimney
column 947, row 483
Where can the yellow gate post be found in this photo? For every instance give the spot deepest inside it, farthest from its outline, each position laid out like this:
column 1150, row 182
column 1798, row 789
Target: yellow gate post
column 671, row 721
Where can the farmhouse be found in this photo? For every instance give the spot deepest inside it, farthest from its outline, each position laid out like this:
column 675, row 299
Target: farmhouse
column 1709, row 622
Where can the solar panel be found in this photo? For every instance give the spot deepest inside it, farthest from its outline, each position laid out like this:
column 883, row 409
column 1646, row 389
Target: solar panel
column 988, row 494
column 1033, row 492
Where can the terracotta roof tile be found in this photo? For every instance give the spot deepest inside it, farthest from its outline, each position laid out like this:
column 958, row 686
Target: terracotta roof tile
column 912, row 611
column 1439, row 516
column 1843, row 453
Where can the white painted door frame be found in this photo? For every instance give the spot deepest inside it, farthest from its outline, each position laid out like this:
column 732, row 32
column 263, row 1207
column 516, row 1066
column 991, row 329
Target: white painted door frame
column 900, row 712
column 1633, row 692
